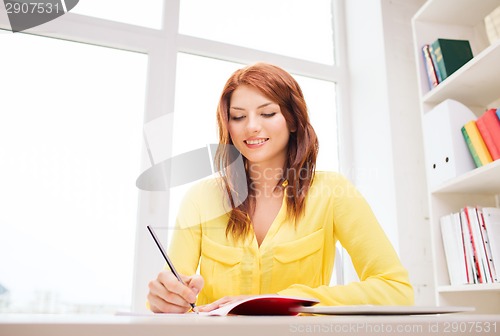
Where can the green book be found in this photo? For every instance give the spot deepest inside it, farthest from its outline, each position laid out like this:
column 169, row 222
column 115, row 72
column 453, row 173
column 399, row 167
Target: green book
column 472, row 150
column 451, row 55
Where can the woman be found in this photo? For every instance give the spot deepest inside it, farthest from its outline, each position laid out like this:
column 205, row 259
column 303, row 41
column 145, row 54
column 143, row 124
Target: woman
column 276, row 232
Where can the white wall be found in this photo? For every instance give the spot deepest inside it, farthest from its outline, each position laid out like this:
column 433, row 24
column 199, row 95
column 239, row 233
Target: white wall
column 387, row 142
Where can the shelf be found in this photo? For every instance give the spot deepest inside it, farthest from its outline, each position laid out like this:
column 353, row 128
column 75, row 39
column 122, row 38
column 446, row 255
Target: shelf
column 475, row 84
column 459, row 12
column 482, row 180
column 470, row 288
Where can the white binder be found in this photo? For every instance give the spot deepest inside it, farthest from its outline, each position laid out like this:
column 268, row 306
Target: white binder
column 447, row 154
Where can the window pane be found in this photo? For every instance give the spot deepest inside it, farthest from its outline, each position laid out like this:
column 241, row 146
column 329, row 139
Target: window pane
column 296, row 28
column 321, row 101
column 199, row 84
column 70, row 141
column 146, row 13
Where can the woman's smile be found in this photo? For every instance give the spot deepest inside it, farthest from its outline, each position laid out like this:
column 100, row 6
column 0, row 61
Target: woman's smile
column 255, row 143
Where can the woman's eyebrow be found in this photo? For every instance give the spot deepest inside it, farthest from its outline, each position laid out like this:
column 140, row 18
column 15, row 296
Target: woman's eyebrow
column 258, row 107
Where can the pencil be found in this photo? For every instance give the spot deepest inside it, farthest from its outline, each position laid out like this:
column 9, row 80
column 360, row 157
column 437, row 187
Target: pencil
column 167, row 259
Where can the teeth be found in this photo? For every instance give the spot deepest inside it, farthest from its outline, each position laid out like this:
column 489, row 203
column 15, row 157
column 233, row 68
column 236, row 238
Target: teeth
column 256, row 142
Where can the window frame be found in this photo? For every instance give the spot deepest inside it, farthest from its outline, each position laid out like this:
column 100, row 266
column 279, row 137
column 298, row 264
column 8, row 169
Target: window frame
column 161, row 46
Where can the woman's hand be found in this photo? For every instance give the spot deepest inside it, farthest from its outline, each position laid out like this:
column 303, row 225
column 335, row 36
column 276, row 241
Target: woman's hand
column 169, row 295
column 221, row 302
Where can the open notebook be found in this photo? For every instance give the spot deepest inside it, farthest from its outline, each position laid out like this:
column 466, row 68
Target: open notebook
column 263, row 305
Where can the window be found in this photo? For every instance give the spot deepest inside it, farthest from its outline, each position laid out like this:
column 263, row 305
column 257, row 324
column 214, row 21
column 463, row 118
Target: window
column 146, row 13
column 296, row 28
column 70, row 130
column 72, row 113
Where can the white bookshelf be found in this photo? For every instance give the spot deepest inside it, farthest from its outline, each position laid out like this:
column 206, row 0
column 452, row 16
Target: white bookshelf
column 476, row 85
column 485, row 180
column 483, row 68
column 468, row 288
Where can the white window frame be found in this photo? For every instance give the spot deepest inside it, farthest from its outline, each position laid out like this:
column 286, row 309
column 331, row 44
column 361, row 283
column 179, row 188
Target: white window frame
column 162, row 47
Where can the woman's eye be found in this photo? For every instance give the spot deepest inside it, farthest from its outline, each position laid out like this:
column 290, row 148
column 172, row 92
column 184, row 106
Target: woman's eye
column 237, row 117
column 268, row 115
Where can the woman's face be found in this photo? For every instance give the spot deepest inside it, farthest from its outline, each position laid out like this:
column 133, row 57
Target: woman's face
column 257, row 127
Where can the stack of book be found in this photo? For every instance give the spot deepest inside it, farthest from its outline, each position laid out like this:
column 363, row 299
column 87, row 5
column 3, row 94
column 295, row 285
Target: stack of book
column 443, row 57
column 483, row 137
column 471, row 241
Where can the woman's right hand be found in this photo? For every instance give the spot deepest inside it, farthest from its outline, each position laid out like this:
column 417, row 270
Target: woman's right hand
column 169, row 295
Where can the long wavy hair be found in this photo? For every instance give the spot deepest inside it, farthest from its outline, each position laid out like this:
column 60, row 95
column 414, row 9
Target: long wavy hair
column 298, row 173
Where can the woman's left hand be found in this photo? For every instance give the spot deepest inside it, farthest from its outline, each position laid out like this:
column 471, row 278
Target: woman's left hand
column 221, row 302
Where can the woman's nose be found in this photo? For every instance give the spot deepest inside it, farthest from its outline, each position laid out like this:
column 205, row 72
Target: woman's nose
column 253, row 124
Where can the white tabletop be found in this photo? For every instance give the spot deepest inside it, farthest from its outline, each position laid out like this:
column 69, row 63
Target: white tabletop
column 192, row 324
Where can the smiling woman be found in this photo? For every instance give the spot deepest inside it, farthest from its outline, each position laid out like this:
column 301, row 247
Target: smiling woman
column 280, row 237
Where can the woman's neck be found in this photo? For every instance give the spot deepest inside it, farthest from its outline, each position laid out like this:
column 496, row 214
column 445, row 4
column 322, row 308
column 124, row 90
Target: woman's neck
column 264, row 179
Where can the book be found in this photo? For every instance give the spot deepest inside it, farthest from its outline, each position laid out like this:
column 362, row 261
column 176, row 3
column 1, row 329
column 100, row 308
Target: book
column 488, row 125
column 469, row 255
column 487, row 246
column 470, row 249
column 451, row 55
column 476, row 144
column 448, row 246
column 268, row 304
column 434, row 63
column 459, row 241
column 492, row 223
column 479, row 243
column 472, row 149
column 430, row 70
column 492, row 25
column 475, row 245
column 451, row 234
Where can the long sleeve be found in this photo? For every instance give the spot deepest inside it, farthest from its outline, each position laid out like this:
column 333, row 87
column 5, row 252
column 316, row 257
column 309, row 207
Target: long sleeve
column 383, row 279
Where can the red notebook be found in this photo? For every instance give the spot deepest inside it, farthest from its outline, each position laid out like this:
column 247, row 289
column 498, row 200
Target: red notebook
column 264, row 305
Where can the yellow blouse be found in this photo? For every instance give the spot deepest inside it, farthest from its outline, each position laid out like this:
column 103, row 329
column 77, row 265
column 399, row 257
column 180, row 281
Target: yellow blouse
column 291, row 260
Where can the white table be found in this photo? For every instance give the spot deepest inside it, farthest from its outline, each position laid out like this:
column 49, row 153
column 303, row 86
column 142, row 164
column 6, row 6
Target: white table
column 192, row 324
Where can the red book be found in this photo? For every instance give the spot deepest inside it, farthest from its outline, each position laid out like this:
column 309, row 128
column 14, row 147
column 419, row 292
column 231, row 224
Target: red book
column 430, row 68
column 475, row 246
column 489, row 126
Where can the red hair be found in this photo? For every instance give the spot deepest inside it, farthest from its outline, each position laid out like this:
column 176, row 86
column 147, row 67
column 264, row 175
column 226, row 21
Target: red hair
column 281, row 88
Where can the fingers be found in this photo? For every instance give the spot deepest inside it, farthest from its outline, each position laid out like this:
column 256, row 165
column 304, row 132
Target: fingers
column 195, row 283
column 168, row 295
column 163, row 301
column 216, row 304
column 222, row 302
